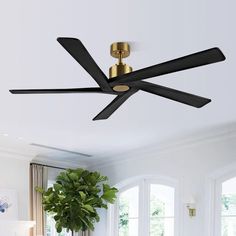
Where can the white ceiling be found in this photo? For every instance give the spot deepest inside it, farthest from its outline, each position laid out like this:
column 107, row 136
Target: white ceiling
column 31, row 57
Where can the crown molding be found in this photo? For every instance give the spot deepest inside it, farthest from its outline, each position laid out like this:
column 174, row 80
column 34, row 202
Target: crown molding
column 23, row 151
column 214, row 134
column 15, row 154
column 223, row 173
column 30, row 156
column 62, row 164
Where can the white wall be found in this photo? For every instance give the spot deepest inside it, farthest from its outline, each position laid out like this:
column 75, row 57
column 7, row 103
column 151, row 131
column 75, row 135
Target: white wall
column 191, row 164
column 14, row 174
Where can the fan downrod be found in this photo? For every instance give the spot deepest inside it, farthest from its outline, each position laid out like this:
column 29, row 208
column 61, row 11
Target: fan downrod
column 120, row 50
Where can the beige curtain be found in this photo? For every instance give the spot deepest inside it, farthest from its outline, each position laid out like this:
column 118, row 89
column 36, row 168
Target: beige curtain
column 38, row 178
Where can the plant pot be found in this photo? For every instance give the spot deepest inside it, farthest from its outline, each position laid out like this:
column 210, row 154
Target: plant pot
column 85, row 233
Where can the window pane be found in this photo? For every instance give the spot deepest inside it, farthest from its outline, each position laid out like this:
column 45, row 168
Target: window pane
column 228, row 226
column 162, row 226
column 229, row 205
column 229, row 197
column 161, row 210
column 228, row 200
column 161, row 201
column 128, row 212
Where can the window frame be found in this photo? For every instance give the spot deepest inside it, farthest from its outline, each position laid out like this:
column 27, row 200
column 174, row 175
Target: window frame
column 144, row 183
column 218, row 202
column 213, row 189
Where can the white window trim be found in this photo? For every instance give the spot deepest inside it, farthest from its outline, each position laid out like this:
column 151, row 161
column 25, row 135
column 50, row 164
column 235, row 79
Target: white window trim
column 144, row 183
column 213, row 199
column 218, row 202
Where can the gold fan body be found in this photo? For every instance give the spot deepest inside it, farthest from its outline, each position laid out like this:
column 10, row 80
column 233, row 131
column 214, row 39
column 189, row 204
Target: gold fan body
column 120, row 50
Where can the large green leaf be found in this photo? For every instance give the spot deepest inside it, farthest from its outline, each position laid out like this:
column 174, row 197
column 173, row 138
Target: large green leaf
column 58, row 226
column 39, row 189
column 89, row 208
column 109, row 194
column 57, row 186
column 82, row 195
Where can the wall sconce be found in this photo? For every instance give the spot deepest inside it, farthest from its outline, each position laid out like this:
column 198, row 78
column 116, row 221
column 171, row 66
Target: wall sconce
column 191, row 206
column 191, row 210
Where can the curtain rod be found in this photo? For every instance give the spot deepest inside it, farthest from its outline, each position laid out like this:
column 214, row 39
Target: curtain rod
column 56, row 167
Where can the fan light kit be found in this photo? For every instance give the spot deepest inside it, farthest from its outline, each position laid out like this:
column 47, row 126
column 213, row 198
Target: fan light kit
column 124, row 82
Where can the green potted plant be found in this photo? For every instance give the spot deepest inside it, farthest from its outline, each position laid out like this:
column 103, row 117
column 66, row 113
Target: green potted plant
column 75, row 197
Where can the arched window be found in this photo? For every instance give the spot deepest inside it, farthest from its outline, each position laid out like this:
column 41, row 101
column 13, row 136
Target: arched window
column 223, row 205
column 145, row 207
column 228, row 207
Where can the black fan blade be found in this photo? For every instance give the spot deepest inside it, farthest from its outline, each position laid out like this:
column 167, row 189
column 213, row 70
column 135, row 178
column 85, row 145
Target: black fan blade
column 114, row 105
column 194, row 60
column 178, row 96
column 57, row 91
column 77, row 50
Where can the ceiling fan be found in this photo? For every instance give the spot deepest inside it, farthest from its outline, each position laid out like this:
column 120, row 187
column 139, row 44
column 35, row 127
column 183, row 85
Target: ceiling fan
column 124, row 82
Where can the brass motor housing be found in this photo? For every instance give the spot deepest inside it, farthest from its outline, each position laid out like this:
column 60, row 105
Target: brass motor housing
column 119, row 69
column 120, row 50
